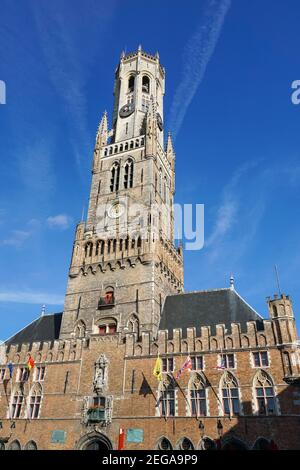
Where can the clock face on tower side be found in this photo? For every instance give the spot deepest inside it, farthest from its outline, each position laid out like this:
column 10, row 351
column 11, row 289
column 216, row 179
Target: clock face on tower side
column 159, row 122
column 126, row 110
column 115, row 211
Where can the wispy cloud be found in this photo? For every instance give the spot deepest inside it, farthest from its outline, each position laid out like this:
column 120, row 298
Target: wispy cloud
column 16, row 238
column 237, row 217
column 229, row 206
column 197, row 54
column 36, row 168
column 60, row 221
column 29, row 297
column 68, row 63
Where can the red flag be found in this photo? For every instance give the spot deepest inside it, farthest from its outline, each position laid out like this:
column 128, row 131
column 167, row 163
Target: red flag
column 30, row 363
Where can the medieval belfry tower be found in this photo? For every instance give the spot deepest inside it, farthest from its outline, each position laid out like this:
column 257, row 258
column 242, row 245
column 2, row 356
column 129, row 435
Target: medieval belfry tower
column 124, row 262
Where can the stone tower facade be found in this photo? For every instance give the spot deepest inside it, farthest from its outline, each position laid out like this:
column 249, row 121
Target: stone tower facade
column 124, row 261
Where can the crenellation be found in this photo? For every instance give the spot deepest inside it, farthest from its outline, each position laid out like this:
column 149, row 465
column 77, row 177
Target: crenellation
column 236, row 334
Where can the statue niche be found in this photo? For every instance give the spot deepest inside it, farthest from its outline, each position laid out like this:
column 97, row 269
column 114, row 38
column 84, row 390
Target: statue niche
column 100, row 377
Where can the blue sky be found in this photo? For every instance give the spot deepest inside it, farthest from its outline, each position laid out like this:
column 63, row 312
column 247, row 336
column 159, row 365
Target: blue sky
column 229, row 65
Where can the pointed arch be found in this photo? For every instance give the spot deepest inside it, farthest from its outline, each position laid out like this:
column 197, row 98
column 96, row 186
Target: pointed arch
column 229, row 394
column 31, row 445
column 166, row 396
column 14, row 445
column 131, row 81
column 164, row 444
column 197, row 395
column 233, row 443
column 133, row 324
column 16, row 403
column 185, row 444
column 145, row 84
column 114, row 177
column 128, row 173
column 207, row 443
column 80, row 329
column 264, row 394
column 35, row 400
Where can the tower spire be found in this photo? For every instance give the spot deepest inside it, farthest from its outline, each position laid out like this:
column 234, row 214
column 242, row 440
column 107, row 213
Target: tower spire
column 231, row 282
column 169, row 148
column 102, row 132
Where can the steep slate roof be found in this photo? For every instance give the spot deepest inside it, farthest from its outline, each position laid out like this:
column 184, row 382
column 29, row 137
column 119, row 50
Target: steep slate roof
column 45, row 328
column 207, row 308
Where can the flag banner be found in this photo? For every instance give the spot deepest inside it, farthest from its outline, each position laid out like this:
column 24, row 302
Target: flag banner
column 222, row 365
column 30, row 363
column 11, row 369
column 157, row 371
column 187, row 365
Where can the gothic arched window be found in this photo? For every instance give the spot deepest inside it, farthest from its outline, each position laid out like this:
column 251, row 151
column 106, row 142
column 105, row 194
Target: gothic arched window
column 230, row 394
column 100, row 247
column 16, row 404
column 185, row 444
column 264, row 394
column 145, row 84
column 164, row 444
column 167, row 397
column 80, row 329
column 115, row 177
column 197, row 395
column 14, row 445
column 128, row 174
column 133, row 324
column 31, row 445
column 35, row 401
column 207, row 444
column 131, row 83
column 89, row 249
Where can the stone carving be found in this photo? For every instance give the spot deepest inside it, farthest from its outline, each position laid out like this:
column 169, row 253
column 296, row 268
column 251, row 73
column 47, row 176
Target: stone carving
column 100, row 377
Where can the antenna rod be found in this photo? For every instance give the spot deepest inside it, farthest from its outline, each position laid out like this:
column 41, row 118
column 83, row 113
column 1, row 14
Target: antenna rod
column 277, row 279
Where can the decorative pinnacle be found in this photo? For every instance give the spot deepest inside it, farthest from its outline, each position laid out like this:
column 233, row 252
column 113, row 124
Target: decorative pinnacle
column 43, row 310
column 231, row 282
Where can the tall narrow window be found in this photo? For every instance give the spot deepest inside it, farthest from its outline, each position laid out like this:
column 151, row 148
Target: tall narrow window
column 35, row 402
column 16, row 405
column 167, row 397
column 145, row 84
column 131, row 84
column 115, row 177
column 265, row 396
column 197, row 394
column 128, row 174
column 230, row 394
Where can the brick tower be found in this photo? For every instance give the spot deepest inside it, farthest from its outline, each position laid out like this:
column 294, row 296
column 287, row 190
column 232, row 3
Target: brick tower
column 124, row 262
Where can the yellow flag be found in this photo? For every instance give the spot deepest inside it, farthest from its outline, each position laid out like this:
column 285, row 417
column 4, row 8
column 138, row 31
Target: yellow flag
column 158, row 369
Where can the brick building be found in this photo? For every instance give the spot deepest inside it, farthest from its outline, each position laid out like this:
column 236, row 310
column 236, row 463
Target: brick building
column 92, row 384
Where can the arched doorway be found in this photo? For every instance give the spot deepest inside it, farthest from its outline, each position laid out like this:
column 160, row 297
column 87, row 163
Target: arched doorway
column 234, row 444
column 95, row 441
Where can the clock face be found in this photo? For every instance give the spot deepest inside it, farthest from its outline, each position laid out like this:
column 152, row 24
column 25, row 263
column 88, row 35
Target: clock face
column 159, row 122
column 126, row 110
column 116, row 210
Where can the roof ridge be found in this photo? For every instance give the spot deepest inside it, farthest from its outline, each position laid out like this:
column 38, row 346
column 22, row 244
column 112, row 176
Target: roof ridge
column 200, row 291
column 248, row 305
column 19, row 331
